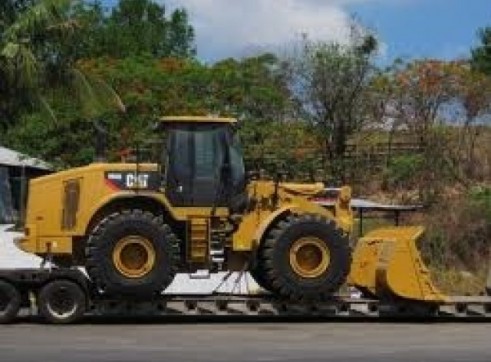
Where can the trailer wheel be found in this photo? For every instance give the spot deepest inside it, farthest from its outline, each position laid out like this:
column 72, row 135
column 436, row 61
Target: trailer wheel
column 10, row 301
column 132, row 253
column 62, row 302
column 306, row 258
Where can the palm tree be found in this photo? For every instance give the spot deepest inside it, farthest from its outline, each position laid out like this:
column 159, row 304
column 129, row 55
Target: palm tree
column 29, row 43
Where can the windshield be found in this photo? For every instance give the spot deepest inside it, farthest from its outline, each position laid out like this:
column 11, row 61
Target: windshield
column 204, row 165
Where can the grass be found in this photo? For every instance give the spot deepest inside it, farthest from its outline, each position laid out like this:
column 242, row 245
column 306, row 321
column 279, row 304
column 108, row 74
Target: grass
column 459, row 282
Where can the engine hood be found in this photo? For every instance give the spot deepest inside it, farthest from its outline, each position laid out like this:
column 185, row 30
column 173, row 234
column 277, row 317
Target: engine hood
column 308, row 190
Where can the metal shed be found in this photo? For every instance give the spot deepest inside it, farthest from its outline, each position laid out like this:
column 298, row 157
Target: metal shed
column 15, row 170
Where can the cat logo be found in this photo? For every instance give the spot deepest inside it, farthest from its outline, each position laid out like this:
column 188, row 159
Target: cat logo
column 134, row 181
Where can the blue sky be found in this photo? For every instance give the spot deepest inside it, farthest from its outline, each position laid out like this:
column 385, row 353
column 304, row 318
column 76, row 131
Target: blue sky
column 426, row 28
column 407, row 28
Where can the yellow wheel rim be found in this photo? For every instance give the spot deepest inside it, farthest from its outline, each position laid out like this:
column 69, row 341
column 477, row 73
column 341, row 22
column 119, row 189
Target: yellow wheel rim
column 134, row 257
column 309, row 257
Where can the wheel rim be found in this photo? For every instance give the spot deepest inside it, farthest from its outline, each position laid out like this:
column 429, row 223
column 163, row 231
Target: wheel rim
column 134, row 257
column 62, row 303
column 309, row 257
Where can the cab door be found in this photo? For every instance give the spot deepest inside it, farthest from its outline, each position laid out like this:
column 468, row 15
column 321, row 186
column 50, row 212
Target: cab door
column 195, row 158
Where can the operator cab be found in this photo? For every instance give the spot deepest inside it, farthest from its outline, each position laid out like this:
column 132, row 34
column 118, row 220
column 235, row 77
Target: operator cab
column 203, row 162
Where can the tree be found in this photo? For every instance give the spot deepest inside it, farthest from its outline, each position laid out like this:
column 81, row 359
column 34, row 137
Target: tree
column 481, row 55
column 420, row 91
column 134, row 27
column 36, row 68
column 251, row 88
column 9, row 10
column 26, row 31
column 441, row 105
column 328, row 81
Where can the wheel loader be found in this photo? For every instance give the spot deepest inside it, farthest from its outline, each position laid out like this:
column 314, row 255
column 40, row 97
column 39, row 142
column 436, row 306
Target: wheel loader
column 133, row 226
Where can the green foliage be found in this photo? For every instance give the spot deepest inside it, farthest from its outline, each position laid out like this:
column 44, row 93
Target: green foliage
column 250, row 89
column 286, row 147
column 26, row 31
column 133, row 27
column 481, row 55
column 402, row 170
column 480, row 197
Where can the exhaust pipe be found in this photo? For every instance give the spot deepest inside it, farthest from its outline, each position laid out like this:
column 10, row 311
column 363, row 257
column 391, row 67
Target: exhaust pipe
column 101, row 142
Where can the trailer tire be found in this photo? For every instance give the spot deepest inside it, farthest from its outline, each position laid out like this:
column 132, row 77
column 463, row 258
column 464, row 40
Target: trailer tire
column 306, row 258
column 133, row 254
column 62, row 302
column 10, row 301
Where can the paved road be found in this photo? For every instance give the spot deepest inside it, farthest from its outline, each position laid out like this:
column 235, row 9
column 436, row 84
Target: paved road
column 246, row 342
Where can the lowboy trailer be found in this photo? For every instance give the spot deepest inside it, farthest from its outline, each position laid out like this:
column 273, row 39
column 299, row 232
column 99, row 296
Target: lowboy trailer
column 65, row 296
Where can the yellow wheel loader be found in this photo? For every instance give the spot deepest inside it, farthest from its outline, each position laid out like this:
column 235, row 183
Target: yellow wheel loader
column 134, row 226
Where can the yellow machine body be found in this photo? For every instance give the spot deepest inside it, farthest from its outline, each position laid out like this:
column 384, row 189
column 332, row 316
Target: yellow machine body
column 64, row 206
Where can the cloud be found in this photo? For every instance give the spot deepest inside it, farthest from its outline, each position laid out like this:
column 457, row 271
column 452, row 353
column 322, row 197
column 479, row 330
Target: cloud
column 227, row 28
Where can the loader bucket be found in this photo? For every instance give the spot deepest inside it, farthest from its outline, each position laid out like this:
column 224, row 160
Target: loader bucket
column 387, row 265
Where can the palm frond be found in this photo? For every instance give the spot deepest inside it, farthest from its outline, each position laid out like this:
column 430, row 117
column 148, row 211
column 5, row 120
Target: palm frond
column 96, row 97
column 46, row 108
column 42, row 16
column 19, row 65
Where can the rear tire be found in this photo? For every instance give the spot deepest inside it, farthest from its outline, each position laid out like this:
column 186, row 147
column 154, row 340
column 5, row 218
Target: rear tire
column 10, row 301
column 305, row 258
column 132, row 254
column 62, row 302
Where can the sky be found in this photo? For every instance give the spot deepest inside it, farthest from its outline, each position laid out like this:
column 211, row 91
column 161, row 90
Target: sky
column 406, row 28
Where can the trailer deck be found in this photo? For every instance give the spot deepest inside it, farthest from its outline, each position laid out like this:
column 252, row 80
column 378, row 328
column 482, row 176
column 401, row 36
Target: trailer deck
column 30, row 282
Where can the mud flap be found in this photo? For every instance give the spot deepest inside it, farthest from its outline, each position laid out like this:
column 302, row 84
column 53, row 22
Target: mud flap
column 387, row 264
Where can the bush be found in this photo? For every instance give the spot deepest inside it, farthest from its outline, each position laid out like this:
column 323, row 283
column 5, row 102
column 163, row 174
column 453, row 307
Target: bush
column 459, row 231
column 403, row 171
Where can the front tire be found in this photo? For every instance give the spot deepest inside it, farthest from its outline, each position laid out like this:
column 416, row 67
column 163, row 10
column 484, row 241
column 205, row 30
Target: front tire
column 132, row 253
column 305, row 257
column 10, row 301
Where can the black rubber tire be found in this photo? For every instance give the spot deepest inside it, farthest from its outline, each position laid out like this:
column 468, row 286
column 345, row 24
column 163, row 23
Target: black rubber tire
column 103, row 239
column 62, row 302
column 280, row 276
column 258, row 274
column 10, row 301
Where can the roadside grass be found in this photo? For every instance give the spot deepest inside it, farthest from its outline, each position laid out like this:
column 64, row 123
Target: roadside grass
column 459, row 282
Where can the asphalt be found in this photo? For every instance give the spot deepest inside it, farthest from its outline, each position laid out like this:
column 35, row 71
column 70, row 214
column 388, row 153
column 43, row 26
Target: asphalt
column 230, row 342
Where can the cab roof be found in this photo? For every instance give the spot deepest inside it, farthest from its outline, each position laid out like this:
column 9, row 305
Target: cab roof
column 197, row 119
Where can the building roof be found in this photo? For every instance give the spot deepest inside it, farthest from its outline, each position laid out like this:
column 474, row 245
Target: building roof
column 13, row 158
